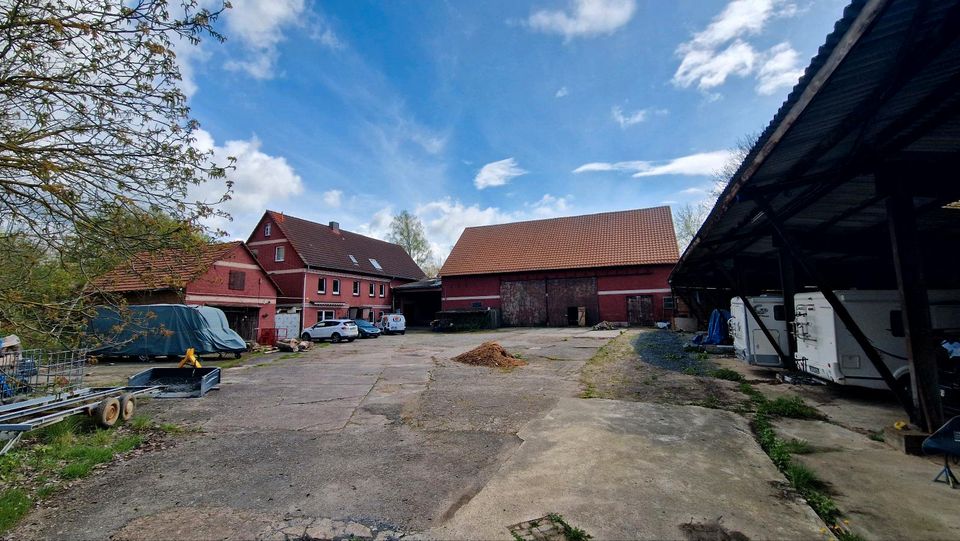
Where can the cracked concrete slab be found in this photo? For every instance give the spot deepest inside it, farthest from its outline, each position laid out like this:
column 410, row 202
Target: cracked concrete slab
column 632, row 470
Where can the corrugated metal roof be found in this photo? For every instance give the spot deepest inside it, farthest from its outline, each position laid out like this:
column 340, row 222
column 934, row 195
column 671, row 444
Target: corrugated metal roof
column 884, row 83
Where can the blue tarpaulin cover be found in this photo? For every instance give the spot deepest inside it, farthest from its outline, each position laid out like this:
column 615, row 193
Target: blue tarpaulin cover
column 717, row 331
column 162, row 330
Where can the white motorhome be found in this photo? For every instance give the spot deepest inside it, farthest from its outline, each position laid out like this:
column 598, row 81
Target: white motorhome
column 749, row 342
column 826, row 349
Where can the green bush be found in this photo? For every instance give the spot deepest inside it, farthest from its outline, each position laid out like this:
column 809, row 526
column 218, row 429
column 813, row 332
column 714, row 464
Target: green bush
column 726, row 374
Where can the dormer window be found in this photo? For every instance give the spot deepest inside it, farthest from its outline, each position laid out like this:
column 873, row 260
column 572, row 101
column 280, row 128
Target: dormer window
column 354, row 260
column 266, row 229
column 376, row 264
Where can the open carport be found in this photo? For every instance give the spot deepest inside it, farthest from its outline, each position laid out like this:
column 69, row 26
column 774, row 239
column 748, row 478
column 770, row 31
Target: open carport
column 852, row 185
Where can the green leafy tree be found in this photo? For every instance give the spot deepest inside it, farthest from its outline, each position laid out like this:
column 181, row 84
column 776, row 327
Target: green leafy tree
column 406, row 230
column 94, row 129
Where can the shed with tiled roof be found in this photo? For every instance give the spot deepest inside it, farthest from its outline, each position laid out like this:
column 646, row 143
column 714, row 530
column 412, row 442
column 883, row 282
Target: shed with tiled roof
column 611, row 266
column 223, row 275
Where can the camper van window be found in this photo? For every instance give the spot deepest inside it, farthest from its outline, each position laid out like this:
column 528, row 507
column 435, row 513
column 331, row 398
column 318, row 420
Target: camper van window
column 896, row 323
column 778, row 313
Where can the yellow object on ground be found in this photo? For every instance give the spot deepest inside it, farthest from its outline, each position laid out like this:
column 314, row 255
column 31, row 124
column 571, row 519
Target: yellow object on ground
column 900, row 425
column 191, row 359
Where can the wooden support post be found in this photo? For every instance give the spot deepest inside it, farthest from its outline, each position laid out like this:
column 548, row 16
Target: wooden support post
column 840, row 310
column 788, row 285
column 915, row 304
column 738, row 291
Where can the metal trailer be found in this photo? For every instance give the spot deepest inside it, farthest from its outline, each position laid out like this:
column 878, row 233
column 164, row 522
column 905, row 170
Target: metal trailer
column 826, row 349
column 749, row 342
column 35, row 371
column 108, row 404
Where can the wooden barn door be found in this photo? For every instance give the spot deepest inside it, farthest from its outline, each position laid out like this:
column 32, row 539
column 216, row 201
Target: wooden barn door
column 640, row 310
column 524, row 303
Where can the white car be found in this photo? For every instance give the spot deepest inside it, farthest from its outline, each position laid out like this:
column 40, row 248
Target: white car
column 392, row 323
column 334, row 330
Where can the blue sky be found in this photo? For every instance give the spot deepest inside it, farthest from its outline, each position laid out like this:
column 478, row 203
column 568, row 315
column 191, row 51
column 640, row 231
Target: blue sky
column 471, row 113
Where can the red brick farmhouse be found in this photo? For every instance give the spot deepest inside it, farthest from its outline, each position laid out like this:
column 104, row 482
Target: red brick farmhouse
column 224, row 275
column 566, row 271
column 325, row 272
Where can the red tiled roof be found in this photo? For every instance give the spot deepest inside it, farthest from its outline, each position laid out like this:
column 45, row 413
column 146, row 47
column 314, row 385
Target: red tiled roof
column 320, row 246
column 609, row 239
column 163, row 269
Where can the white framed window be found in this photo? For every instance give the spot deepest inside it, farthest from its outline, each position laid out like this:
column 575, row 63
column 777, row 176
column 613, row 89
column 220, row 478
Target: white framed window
column 668, row 303
column 354, row 260
column 322, row 286
column 336, row 287
column 376, row 264
column 356, row 288
column 267, row 229
column 383, row 290
column 327, row 314
column 372, row 289
column 278, row 253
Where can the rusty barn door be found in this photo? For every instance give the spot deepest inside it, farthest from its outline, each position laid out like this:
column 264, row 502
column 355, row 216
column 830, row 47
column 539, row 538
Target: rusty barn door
column 566, row 295
column 640, row 310
column 524, row 303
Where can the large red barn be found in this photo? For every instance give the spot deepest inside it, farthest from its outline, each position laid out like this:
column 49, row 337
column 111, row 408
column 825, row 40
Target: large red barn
column 611, row 266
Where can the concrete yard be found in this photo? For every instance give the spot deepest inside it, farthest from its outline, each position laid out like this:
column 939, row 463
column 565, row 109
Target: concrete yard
column 389, row 437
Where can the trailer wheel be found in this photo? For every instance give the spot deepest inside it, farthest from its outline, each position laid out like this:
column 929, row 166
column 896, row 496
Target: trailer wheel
column 107, row 412
column 127, row 405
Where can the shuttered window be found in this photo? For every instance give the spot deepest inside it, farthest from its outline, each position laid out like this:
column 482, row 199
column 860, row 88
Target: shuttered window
column 237, row 281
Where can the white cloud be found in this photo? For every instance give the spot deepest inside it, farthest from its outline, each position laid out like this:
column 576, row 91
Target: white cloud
column 550, row 205
column 628, row 119
column 379, row 225
column 259, row 181
column 722, row 49
column 333, row 198
column 498, row 173
column 584, row 18
column 561, row 92
column 780, row 69
column 703, row 163
column 260, row 26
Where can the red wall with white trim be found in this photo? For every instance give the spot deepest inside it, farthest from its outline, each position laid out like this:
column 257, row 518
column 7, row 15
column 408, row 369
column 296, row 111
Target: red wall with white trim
column 612, row 307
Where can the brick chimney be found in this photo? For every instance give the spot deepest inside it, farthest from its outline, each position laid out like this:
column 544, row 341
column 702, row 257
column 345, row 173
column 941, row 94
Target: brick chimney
column 335, row 226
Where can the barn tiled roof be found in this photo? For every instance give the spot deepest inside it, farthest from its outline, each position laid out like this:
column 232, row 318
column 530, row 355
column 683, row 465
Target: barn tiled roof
column 609, row 239
column 322, row 247
column 163, row 269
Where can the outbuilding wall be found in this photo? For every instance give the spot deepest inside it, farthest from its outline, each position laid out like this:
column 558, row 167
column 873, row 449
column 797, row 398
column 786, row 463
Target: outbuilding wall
column 603, row 291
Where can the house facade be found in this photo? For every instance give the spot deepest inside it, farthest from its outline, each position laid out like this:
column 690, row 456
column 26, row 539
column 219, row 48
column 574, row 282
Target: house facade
column 566, row 271
column 325, row 272
column 222, row 275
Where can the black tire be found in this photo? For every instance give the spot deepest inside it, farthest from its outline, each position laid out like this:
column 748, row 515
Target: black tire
column 403, row 333
column 335, row 338
column 237, row 355
column 350, row 339
column 107, row 412
column 305, row 337
column 128, row 404
column 143, row 358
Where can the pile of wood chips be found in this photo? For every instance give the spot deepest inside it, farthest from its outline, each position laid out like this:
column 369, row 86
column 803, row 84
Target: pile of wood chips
column 489, row 354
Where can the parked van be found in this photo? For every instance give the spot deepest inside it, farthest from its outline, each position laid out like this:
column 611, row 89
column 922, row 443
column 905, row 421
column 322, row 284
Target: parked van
column 749, row 342
column 392, row 323
column 826, row 349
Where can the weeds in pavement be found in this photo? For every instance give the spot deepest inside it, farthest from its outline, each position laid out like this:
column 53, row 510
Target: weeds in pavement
column 572, row 533
column 792, row 407
column 801, row 478
column 68, row 450
column 877, row 435
column 590, row 392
